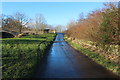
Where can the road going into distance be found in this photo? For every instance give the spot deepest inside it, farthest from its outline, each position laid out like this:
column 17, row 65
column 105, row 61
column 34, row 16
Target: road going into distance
column 63, row 61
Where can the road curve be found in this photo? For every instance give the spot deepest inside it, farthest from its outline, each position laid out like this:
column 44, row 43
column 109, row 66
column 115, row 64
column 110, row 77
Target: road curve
column 65, row 62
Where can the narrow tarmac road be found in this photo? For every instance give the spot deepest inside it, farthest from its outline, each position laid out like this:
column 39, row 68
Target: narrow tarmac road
column 65, row 62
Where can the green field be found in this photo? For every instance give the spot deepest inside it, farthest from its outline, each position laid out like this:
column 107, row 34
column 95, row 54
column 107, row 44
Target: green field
column 20, row 56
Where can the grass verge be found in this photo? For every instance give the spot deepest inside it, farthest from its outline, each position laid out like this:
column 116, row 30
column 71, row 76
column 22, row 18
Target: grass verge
column 97, row 58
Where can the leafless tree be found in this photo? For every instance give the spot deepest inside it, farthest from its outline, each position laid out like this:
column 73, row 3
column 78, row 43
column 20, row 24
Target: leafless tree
column 22, row 19
column 81, row 17
column 59, row 28
column 40, row 22
column 71, row 24
column 8, row 23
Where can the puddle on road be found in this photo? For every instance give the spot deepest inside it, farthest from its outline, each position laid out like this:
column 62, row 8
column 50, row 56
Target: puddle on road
column 55, row 45
column 62, row 45
column 58, row 45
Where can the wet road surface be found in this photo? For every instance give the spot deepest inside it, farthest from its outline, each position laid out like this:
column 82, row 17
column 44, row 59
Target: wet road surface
column 65, row 62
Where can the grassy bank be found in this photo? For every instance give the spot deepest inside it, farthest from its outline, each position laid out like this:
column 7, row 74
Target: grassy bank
column 114, row 67
column 20, row 56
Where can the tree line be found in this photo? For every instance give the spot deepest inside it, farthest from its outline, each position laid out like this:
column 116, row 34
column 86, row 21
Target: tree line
column 101, row 25
column 19, row 22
